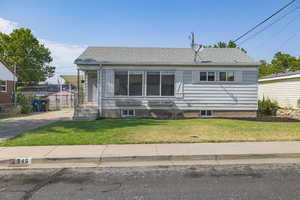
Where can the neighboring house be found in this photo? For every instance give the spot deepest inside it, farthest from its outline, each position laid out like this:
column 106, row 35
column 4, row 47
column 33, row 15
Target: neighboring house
column 167, row 83
column 283, row 88
column 7, row 78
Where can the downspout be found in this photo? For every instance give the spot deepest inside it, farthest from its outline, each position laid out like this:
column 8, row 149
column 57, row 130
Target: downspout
column 99, row 75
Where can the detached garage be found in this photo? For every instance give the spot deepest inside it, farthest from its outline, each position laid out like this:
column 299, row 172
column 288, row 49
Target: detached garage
column 283, row 88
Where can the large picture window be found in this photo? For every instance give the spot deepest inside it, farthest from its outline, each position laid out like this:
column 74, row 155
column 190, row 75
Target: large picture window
column 160, row 83
column 128, row 83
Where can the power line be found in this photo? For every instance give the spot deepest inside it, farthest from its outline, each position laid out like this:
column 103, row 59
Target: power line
column 264, row 21
column 282, row 29
column 269, row 25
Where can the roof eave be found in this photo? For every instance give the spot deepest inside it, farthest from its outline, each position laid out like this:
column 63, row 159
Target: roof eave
column 279, row 78
column 255, row 64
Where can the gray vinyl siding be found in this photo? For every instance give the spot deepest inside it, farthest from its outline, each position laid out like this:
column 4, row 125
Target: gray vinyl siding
column 238, row 95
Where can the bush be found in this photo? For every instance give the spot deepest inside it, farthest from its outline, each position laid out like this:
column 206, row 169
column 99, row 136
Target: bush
column 25, row 102
column 267, row 106
column 26, row 109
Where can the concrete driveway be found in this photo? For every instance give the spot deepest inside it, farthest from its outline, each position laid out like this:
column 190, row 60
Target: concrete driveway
column 14, row 126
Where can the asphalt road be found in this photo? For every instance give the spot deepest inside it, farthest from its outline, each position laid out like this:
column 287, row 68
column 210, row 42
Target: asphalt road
column 189, row 182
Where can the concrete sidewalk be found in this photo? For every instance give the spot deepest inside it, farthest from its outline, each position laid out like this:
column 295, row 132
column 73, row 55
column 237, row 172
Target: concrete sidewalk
column 150, row 152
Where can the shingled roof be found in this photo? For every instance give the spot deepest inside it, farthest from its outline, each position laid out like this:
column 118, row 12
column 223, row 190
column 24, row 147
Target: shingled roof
column 164, row 56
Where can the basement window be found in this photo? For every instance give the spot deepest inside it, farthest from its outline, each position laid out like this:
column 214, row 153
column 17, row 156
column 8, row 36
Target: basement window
column 205, row 113
column 128, row 113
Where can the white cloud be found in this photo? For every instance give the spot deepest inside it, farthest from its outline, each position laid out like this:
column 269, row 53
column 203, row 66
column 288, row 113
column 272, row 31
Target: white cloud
column 63, row 54
column 7, row 26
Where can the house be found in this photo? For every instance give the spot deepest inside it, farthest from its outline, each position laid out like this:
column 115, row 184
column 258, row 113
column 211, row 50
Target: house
column 283, row 88
column 149, row 82
column 7, row 80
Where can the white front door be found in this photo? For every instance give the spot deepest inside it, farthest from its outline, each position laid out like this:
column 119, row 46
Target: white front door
column 92, row 88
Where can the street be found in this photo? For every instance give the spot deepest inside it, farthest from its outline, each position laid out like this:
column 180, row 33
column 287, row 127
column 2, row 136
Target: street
column 162, row 182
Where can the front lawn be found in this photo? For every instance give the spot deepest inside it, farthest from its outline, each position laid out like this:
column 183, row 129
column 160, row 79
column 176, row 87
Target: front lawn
column 156, row 131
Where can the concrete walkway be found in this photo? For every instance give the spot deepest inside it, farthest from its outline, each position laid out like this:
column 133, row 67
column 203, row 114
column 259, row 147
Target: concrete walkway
column 12, row 127
column 152, row 152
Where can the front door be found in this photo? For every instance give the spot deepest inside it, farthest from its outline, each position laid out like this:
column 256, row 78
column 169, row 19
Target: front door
column 92, row 88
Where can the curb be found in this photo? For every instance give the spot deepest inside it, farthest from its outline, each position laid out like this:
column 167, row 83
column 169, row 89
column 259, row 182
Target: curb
column 98, row 160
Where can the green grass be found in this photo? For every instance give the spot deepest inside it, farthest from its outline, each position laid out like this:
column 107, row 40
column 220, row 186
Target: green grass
column 134, row 131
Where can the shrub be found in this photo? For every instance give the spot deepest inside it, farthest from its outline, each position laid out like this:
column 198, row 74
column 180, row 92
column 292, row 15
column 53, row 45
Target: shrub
column 26, row 109
column 25, row 102
column 267, row 106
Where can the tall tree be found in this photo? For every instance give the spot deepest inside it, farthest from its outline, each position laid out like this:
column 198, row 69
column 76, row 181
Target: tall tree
column 280, row 63
column 32, row 58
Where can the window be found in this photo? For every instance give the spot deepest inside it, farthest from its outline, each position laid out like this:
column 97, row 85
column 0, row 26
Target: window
column 203, row 76
column 227, row 76
column 207, row 76
column 128, row 83
column 167, row 84
column 121, row 83
column 128, row 113
column 135, row 84
column 153, row 83
column 222, row 76
column 211, row 76
column 205, row 113
column 3, row 86
column 230, row 76
column 160, row 84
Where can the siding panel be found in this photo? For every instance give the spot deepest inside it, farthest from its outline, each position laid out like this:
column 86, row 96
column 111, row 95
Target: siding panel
column 285, row 92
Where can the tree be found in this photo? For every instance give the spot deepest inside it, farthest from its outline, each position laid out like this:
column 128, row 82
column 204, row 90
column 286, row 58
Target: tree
column 230, row 44
column 32, row 59
column 280, row 63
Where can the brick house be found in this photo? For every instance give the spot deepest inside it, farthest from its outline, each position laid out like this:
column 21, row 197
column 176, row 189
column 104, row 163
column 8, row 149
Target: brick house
column 7, row 78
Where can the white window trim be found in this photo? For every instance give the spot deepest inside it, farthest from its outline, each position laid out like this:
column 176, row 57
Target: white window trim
column 215, row 76
column 122, row 115
column 206, row 116
column 5, row 86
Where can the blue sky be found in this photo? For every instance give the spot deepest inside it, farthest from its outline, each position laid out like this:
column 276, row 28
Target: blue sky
column 68, row 26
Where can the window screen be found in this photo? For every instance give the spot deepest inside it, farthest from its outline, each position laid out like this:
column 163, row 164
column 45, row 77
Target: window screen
column 153, row 83
column 135, row 84
column 222, row 76
column 121, row 83
column 167, row 84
